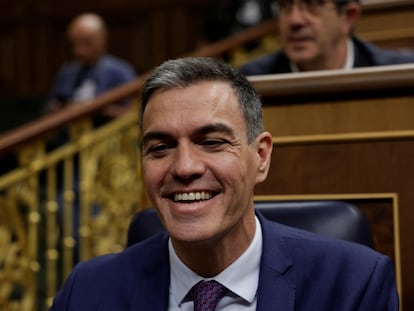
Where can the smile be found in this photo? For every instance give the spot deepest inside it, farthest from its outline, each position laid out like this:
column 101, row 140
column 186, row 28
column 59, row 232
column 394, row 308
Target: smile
column 192, row 196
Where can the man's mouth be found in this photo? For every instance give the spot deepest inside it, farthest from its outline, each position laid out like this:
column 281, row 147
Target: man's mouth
column 192, row 196
column 299, row 39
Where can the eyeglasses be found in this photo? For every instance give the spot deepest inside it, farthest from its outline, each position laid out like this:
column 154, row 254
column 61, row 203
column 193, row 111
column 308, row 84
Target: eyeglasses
column 312, row 6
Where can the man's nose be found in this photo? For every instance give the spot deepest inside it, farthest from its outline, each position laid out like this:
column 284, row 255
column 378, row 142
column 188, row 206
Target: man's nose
column 297, row 14
column 188, row 163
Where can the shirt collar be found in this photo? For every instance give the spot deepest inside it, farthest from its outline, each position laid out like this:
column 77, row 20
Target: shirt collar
column 241, row 277
column 350, row 55
column 349, row 62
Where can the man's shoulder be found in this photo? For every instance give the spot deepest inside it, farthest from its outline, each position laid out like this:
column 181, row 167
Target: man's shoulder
column 305, row 245
column 69, row 69
column 310, row 253
column 326, row 272
column 325, row 248
column 107, row 281
column 368, row 54
column 113, row 72
column 273, row 63
column 140, row 257
column 112, row 62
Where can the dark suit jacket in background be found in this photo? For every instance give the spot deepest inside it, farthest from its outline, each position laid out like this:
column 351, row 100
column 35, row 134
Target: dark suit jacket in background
column 109, row 72
column 299, row 271
column 366, row 55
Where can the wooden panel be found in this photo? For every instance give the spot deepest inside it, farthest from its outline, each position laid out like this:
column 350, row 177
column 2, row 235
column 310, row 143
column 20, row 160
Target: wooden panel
column 7, row 60
column 14, row 57
column 388, row 24
column 145, row 33
column 386, row 16
column 361, row 100
column 347, row 116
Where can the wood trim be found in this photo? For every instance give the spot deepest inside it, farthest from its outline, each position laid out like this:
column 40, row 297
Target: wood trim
column 61, row 118
column 345, row 137
column 339, row 82
column 373, row 5
column 236, row 41
column 388, row 35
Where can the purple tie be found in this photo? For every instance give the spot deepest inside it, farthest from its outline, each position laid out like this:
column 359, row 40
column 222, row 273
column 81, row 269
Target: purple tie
column 207, row 295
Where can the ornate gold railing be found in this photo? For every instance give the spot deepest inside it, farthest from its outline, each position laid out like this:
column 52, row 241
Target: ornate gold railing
column 67, row 203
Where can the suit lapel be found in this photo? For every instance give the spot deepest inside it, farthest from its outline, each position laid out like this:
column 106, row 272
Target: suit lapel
column 275, row 289
column 153, row 278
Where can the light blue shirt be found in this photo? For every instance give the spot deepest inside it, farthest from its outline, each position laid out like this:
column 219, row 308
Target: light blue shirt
column 241, row 278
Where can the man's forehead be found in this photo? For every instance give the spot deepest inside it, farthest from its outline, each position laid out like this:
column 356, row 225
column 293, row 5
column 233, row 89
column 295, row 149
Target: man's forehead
column 197, row 92
column 180, row 107
column 87, row 25
column 202, row 100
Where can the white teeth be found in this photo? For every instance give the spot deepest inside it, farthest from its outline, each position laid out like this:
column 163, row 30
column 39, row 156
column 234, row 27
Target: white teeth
column 192, row 196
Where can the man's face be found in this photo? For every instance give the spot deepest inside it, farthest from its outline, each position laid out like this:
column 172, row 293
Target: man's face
column 87, row 43
column 199, row 169
column 311, row 37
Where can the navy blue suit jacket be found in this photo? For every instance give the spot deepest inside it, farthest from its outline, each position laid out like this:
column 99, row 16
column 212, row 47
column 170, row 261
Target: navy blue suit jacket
column 366, row 55
column 109, row 72
column 298, row 271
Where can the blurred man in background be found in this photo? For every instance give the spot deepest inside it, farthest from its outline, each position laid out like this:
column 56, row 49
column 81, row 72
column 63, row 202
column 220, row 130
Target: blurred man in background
column 92, row 71
column 318, row 35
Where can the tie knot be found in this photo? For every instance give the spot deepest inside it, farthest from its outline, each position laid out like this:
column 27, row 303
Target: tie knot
column 207, row 295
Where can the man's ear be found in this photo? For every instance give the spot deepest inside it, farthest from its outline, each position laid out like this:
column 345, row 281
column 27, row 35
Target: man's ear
column 351, row 14
column 264, row 147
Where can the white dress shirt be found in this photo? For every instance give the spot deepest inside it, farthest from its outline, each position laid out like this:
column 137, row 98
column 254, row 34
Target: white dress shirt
column 241, row 278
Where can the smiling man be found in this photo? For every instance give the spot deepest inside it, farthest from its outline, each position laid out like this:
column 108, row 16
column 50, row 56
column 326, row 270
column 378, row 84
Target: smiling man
column 200, row 171
column 204, row 150
column 318, row 35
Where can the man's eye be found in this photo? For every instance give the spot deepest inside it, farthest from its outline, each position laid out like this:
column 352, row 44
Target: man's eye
column 213, row 143
column 158, row 149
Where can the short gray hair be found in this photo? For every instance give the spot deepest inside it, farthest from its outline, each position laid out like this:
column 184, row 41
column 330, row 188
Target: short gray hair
column 183, row 72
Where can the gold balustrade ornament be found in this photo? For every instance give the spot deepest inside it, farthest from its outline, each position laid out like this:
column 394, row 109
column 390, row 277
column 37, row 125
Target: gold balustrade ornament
column 66, row 204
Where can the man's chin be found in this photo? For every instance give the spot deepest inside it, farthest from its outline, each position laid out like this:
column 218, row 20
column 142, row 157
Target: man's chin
column 302, row 60
column 191, row 237
column 300, row 52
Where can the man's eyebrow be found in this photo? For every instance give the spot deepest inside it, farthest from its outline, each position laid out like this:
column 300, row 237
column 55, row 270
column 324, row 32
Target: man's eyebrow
column 155, row 136
column 214, row 128
column 202, row 131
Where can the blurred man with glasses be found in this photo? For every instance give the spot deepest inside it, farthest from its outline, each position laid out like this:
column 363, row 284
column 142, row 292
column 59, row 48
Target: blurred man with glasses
column 318, row 35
